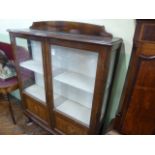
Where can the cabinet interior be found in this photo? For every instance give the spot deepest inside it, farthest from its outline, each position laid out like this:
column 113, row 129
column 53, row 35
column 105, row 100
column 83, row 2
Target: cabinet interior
column 71, row 79
column 74, row 81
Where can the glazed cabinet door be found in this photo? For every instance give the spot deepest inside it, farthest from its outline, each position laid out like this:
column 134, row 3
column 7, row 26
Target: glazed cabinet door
column 29, row 59
column 73, row 78
column 140, row 116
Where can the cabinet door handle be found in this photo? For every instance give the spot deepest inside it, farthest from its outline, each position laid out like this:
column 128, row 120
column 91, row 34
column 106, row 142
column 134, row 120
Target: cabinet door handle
column 147, row 57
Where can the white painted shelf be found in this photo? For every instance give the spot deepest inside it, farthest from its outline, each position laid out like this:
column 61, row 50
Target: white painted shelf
column 76, row 111
column 37, row 92
column 33, row 65
column 77, row 80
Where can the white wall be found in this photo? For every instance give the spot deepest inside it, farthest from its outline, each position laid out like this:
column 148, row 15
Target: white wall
column 120, row 28
column 123, row 28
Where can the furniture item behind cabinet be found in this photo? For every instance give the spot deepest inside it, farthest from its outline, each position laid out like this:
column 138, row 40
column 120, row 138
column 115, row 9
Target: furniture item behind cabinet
column 65, row 74
column 137, row 112
column 8, row 86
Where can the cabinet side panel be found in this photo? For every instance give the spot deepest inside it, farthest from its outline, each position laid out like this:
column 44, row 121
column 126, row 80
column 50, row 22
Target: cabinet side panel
column 108, row 83
column 140, row 118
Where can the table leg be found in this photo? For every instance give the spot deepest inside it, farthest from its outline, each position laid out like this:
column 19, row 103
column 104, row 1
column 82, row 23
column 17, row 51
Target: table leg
column 11, row 109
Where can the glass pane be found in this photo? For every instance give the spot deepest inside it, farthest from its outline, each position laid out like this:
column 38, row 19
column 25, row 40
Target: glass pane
column 74, row 73
column 29, row 57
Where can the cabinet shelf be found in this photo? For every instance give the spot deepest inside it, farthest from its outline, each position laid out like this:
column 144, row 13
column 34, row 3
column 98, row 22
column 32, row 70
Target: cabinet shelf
column 76, row 111
column 76, row 80
column 33, row 65
column 37, row 92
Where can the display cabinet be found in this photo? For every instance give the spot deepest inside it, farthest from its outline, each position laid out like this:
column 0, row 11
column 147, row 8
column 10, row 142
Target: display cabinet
column 66, row 71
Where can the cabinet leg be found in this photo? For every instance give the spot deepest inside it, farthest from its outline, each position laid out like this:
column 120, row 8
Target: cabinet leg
column 29, row 121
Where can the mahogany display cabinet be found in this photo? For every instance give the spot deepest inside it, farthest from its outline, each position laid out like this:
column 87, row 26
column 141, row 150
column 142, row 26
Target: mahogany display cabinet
column 65, row 70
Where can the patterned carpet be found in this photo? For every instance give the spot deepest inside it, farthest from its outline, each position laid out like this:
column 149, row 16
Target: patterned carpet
column 21, row 128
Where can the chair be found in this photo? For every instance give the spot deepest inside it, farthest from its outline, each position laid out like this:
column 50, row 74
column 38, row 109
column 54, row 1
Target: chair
column 6, row 87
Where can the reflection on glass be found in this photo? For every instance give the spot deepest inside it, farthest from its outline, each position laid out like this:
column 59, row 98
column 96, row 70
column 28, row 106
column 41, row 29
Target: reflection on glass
column 74, row 73
column 29, row 57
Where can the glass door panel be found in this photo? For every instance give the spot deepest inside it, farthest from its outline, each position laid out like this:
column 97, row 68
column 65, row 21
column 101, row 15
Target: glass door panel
column 29, row 57
column 74, row 73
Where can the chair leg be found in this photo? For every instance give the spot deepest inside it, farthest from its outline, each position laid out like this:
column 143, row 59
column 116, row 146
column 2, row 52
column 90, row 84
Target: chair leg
column 11, row 109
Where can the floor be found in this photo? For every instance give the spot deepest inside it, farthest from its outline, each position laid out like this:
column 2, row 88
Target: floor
column 22, row 127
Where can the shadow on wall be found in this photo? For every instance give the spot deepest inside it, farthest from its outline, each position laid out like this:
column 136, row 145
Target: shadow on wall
column 117, row 88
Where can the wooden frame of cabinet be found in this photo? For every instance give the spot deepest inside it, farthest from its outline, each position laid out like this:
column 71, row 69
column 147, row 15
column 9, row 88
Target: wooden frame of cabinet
column 84, row 37
column 137, row 106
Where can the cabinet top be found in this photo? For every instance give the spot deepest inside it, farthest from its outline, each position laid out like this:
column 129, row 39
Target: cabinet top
column 72, row 31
